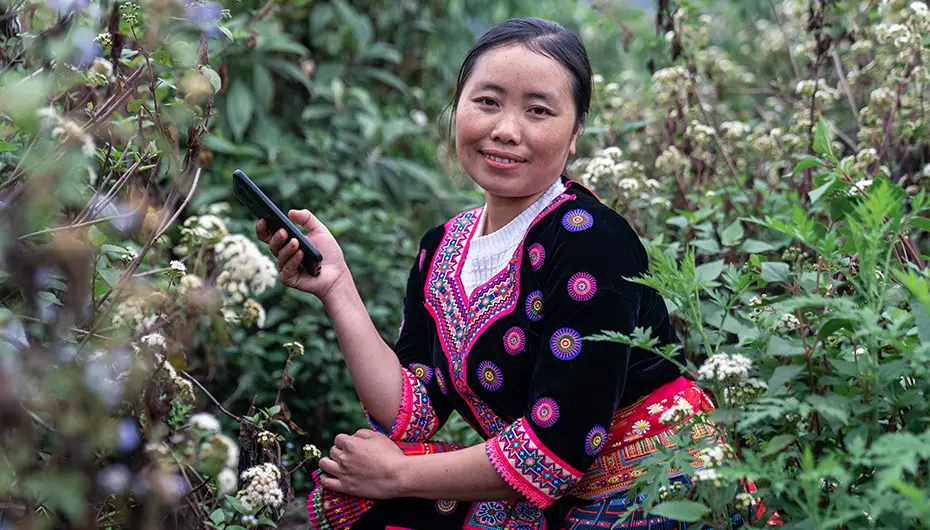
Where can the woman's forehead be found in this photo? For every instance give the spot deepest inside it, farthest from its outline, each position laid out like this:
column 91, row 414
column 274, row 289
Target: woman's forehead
column 517, row 69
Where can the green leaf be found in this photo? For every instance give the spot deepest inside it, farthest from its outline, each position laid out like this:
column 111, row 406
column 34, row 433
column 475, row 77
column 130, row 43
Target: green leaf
column 228, row 34
column 217, row 516
column 239, row 108
column 380, row 51
column 264, row 521
column 95, row 236
column 782, row 375
column 5, row 147
column 822, row 137
column 385, row 77
column 274, row 410
column 807, row 163
column 922, row 318
column 110, row 275
column 783, row 347
column 922, row 223
column 688, row 511
column 134, row 106
column 237, row 505
column 732, row 235
column 262, row 86
column 213, row 77
column 833, row 325
column 775, row 271
column 708, row 272
column 778, row 443
column 754, row 246
column 818, row 192
column 358, row 23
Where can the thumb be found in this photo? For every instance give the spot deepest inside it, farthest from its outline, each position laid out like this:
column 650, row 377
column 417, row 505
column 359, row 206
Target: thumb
column 304, row 219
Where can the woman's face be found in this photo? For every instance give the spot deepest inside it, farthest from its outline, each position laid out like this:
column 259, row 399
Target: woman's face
column 515, row 125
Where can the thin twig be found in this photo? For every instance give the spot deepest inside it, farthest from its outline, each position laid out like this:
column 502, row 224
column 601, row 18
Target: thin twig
column 69, row 328
column 849, row 94
column 210, row 396
column 890, row 121
column 794, row 63
column 81, row 225
column 184, row 204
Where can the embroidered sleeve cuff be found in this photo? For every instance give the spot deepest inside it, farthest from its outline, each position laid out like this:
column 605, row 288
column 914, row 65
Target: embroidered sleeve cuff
column 416, row 421
column 528, row 466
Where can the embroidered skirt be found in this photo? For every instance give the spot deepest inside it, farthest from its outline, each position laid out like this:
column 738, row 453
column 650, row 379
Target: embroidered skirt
column 597, row 501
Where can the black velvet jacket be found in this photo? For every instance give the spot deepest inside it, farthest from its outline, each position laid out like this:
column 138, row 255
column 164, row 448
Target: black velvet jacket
column 513, row 358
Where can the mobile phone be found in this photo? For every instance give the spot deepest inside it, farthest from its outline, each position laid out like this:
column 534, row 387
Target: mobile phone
column 250, row 195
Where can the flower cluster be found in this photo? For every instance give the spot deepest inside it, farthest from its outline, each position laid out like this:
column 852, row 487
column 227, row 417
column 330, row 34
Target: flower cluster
column 199, row 230
column 786, row 323
column 294, row 348
column 262, row 488
column 628, row 178
column 67, row 132
column 311, row 452
column 725, row 367
column 266, row 438
column 246, row 270
column 205, row 422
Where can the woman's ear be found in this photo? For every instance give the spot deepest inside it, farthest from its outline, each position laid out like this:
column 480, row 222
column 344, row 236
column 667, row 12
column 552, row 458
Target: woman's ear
column 572, row 147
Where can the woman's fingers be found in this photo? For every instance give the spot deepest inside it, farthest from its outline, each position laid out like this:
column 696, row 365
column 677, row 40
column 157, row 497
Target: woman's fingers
column 330, row 467
column 336, row 454
column 286, row 253
column 278, row 240
column 341, row 441
column 291, row 268
column 261, row 231
column 332, row 484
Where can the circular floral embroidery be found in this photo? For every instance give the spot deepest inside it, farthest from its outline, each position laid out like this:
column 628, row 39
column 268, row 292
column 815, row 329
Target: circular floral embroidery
column 514, row 340
column 534, row 306
column 421, row 371
column 490, row 375
column 422, row 258
column 446, row 507
column 581, row 287
column 537, row 256
column 440, row 381
column 577, row 220
column 545, row 412
column 490, row 513
column 641, row 427
column 595, row 440
column 565, row 343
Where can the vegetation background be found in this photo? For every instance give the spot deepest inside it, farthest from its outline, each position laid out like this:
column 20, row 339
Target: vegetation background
column 773, row 155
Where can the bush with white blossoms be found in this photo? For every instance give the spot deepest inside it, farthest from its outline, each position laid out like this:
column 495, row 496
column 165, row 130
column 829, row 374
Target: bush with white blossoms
column 259, row 487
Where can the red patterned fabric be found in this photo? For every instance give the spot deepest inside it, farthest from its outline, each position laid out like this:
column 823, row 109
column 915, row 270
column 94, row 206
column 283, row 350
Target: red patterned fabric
column 416, row 420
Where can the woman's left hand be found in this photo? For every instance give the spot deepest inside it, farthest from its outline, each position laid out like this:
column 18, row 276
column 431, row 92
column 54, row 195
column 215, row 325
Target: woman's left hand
column 366, row 464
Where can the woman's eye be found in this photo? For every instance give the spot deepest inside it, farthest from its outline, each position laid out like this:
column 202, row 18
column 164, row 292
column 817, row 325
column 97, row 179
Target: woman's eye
column 486, row 101
column 540, row 111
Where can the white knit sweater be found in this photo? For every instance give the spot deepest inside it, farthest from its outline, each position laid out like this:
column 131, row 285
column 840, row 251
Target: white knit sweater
column 489, row 254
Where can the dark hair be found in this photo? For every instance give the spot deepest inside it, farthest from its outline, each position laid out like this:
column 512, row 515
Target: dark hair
column 545, row 38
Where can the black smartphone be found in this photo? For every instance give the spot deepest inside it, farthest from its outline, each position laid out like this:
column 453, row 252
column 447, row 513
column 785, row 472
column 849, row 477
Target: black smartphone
column 250, row 195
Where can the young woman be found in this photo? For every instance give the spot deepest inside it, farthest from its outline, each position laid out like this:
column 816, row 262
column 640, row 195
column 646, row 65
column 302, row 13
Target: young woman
column 499, row 306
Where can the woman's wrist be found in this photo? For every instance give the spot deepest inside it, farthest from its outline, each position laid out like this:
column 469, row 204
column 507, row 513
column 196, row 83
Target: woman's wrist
column 342, row 290
column 403, row 478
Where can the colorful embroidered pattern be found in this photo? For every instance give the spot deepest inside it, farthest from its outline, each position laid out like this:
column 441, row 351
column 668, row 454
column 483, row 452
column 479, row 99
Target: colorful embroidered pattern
column 565, row 343
column 537, row 256
column 581, row 287
column 490, row 375
column 422, row 259
column 594, row 442
column 545, row 412
column 514, row 340
column 577, row 220
column 446, row 507
column 528, row 466
column 461, row 319
column 416, row 420
column 489, row 514
column 424, row 373
column 534, row 306
column 441, row 381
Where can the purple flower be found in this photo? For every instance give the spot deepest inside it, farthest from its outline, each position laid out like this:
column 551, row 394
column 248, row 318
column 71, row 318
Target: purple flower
column 128, row 435
column 204, row 15
column 85, row 48
column 114, row 479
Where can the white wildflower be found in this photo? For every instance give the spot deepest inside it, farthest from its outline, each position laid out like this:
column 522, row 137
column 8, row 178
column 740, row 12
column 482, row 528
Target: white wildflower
column 743, row 392
column 861, row 185
column 102, row 67
column 201, row 229
column 190, row 283
column 245, row 268
column 266, row 438
column 708, row 475
column 867, row 156
column 261, row 487
column 177, row 265
column 205, row 422
column 725, row 367
column 252, row 314
column 677, row 413
column 920, row 9
column 154, row 341
column 311, row 452
column 232, row 450
column 294, row 348
column 743, row 501
column 226, row 481
column 712, row 456
column 786, row 322
column 419, row 117
column 597, row 79
column 735, row 129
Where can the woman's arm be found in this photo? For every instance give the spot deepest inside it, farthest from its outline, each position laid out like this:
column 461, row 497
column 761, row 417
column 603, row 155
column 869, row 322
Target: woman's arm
column 464, row 475
column 368, row 464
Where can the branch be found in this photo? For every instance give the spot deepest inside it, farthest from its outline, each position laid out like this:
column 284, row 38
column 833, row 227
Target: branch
column 794, row 63
column 81, row 225
column 849, row 95
column 210, row 396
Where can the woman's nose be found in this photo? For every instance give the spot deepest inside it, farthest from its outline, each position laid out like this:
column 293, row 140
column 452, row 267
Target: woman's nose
column 507, row 129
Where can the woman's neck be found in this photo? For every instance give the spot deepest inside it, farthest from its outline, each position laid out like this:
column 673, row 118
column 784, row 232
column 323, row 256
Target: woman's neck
column 501, row 210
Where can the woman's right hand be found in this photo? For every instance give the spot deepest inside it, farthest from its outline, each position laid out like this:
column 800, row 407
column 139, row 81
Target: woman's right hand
column 333, row 269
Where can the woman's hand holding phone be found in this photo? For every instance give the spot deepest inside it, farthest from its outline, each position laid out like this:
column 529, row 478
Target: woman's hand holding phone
column 333, row 270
